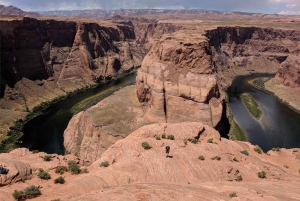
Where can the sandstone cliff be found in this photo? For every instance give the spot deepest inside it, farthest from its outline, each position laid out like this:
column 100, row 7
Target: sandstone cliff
column 244, row 50
column 286, row 84
column 44, row 59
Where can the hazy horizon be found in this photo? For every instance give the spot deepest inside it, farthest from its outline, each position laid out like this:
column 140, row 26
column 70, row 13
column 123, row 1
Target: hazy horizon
column 253, row 6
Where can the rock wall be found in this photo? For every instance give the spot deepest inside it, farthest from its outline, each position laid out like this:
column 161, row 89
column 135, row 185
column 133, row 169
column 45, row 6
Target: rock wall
column 289, row 72
column 177, row 79
column 44, row 59
column 244, row 50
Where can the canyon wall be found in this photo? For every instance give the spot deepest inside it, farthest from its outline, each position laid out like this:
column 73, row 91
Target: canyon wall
column 182, row 80
column 45, row 59
column 244, row 50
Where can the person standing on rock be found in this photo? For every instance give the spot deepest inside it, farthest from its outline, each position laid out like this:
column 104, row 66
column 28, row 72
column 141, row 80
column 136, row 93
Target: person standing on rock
column 167, row 150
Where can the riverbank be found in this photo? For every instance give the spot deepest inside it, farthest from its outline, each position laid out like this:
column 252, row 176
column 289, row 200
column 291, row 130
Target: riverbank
column 16, row 124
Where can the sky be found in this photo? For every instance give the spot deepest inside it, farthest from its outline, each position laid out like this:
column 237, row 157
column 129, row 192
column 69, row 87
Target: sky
column 253, row 6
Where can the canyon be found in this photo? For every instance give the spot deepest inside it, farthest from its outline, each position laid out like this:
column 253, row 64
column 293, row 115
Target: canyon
column 184, row 66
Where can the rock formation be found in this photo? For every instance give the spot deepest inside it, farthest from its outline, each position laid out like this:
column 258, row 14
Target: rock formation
column 177, row 79
column 45, row 59
column 11, row 10
column 289, row 72
column 147, row 173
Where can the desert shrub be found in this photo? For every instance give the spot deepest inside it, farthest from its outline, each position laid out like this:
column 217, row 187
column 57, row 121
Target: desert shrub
column 210, row 140
column 84, row 170
column 56, row 199
column 104, row 164
column 59, row 180
column 61, row 169
column 113, row 161
column 171, row 137
column 261, row 174
column 73, row 167
column 218, row 158
column 157, row 137
column 46, row 157
column 35, row 151
column 232, row 195
column 163, row 136
column 245, row 152
column 239, row 178
column 32, row 192
column 43, row 175
column 185, row 142
column 29, row 192
column 18, row 195
column 286, row 166
column 201, row 158
column 276, row 149
column 258, row 150
column 195, row 141
column 146, row 145
column 235, row 159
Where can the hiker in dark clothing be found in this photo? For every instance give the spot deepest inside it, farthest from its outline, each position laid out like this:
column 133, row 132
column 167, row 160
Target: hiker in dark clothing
column 167, row 150
column 3, row 170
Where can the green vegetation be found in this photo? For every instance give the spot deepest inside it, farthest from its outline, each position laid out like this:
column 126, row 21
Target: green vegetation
column 286, row 166
column 251, row 105
column 195, row 141
column 157, row 137
column 84, row 170
column 235, row 159
column 261, row 174
column 73, row 167
column 61, row 169
column 43, row 175
column 35, row 151
column 146, row 145
column 29, row 192
column 210, row 140
column 56, row 199
column 163, row 136
column 46, row 157
column 201, row 158
column 216, row 158
column 59, row 180
column 245, row 152
column 171, row 137
column 185, row 142
column 258, row 150
column 276, row 149
column 232, row 195
column 239, row 178
column 104, row 164
column 236, row 133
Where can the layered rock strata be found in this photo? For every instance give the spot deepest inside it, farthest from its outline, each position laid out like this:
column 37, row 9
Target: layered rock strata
column 178, row 81
column 244, row 50
column 143, row 173
column 45, row 59
column 286, row 84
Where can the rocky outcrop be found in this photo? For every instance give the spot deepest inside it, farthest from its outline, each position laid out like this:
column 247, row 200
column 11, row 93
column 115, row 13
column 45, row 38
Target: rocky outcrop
column 11, row 10
column 45, row 59
column 289, row 72
column 177, row 79
column 23, row 165
column 244, row 50
column 286, row 84
column 148, row 173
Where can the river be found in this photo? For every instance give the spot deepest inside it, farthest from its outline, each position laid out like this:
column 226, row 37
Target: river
column 279, row 126
column 45, row 132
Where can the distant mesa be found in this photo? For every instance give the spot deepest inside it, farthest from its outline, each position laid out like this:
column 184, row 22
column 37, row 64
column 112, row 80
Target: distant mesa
column 11, row 10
